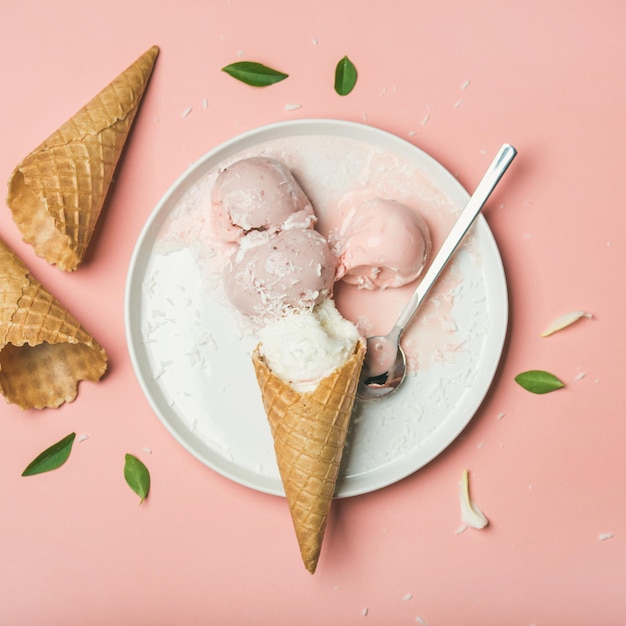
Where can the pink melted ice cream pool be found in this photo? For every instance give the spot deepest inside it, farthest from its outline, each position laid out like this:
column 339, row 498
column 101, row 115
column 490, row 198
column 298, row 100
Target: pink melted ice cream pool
column 382, row 243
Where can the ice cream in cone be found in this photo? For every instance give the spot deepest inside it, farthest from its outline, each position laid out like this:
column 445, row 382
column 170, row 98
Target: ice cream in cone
column 44, row 351
column 58, row 191
column 309, row 431
column 309, row 358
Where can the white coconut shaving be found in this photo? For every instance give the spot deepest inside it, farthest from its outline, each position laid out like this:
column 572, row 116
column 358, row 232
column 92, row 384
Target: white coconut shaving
column 471, row 515
column 564, row 321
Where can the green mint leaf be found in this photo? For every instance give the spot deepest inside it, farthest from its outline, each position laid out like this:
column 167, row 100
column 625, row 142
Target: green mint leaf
column 51, row 457
column 137, row 476
column 345, row 76
column 255, row 74
column 538, row 381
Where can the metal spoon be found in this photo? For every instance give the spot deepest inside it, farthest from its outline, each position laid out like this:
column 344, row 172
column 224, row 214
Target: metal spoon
column 384, row 367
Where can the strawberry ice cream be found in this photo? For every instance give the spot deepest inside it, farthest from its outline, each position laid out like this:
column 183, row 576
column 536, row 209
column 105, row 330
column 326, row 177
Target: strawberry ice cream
column 282, row 271
column 258, row 194
column 382, row 243
column 294, row 269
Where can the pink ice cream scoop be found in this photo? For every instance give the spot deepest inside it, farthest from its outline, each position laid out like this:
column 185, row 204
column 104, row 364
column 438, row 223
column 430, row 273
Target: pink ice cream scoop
column 381, row 244
column 295, row 269
column 258, row 194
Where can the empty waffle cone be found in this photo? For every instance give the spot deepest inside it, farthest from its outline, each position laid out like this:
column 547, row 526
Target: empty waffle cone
column 44, row 351
column 57, row 192
column 309, row 431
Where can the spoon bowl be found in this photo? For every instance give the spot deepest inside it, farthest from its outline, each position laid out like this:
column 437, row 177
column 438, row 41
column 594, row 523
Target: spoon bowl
column 384, row 367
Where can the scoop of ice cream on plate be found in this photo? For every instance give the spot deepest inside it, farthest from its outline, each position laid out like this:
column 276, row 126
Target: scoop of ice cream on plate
column 258, row 194
column 293, row 270
column 382, row 243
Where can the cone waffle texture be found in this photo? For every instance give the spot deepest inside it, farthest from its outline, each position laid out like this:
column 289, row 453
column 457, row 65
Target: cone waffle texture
column 57, row 192
column 44, row 351
column 309, row 431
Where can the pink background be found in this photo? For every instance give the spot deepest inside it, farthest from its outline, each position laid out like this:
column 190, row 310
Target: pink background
column 546, row 76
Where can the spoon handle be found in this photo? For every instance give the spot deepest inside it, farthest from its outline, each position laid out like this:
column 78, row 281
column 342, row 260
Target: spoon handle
column 492, row 176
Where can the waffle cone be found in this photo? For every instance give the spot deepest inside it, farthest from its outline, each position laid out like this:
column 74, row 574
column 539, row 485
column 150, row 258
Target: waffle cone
column 44, row 351
column 57, row 192
column 309, row 431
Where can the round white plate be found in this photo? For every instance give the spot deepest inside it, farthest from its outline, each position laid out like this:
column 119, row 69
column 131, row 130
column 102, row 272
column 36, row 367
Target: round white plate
column 192, row 358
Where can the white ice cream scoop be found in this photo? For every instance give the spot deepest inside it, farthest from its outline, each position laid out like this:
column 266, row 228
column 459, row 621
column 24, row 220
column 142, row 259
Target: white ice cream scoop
column 385, row 363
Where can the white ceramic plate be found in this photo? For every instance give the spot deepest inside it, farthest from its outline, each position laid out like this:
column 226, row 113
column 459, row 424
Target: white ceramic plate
column 192, row 358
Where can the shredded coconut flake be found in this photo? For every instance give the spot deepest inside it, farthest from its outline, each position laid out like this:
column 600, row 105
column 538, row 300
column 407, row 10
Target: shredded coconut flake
column 605, row 536
column 564, row 321
column 470, row 512
column 465, row 84
column 82, row 438
column 292, row 107
column 187, row 111
column 407, row 597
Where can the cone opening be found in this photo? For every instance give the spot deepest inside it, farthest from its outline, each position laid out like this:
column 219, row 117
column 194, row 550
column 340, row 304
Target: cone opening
column 46, row 375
